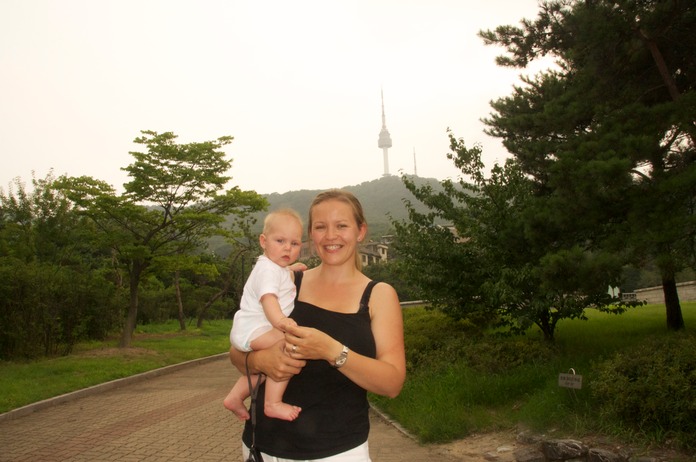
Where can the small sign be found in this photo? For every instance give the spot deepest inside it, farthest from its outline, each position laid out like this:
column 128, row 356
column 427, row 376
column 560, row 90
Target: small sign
column 570, row 381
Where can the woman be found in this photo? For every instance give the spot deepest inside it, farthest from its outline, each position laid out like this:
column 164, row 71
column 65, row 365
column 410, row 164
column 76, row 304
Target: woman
column 349, row 340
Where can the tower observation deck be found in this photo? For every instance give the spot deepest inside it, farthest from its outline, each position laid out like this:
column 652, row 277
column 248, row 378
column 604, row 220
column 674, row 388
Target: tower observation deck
column 384, row 142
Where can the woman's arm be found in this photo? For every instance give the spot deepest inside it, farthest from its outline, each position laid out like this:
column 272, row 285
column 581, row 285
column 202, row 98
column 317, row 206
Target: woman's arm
column 272, row 361
column 383, row 375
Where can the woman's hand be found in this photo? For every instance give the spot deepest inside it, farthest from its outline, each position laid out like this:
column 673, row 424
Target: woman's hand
column 310, row 343
column 272, row 361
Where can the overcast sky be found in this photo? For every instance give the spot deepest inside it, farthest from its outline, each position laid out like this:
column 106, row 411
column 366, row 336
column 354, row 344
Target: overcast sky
column 296, row 83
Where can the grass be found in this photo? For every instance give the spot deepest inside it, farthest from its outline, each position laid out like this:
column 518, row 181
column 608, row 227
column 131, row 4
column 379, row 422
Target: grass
column 153, row 346
column 459, row 383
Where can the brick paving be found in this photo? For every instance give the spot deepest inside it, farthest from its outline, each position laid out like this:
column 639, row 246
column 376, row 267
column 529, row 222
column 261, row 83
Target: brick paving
column 172, row 415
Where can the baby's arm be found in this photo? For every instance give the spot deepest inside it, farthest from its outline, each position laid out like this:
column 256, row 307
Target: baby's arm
column 274, row 314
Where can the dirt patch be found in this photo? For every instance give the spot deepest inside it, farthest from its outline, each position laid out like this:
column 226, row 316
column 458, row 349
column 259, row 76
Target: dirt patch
column 497, row 446
column 501, row 447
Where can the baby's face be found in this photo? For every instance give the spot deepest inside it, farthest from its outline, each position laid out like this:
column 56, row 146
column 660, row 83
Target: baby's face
column 282, row 243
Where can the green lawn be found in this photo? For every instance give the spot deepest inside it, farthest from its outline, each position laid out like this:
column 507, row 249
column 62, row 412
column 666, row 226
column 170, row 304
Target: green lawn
column 155, row 346
column 458, row 382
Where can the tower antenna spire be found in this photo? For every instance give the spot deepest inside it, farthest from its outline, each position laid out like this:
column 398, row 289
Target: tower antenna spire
column 384, row 142
column 415, row 169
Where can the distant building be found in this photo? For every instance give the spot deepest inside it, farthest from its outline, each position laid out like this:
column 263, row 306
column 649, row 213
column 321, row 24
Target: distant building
column 374, row 252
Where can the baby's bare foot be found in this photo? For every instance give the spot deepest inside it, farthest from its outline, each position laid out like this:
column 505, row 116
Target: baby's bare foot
column 236, row 406
column 281, row 411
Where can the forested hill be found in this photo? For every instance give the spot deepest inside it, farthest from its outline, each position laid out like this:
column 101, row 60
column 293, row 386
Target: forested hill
column 380, row 198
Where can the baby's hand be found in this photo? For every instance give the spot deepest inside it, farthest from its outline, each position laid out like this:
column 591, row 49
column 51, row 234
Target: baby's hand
column 298, row 266
column 285, row 322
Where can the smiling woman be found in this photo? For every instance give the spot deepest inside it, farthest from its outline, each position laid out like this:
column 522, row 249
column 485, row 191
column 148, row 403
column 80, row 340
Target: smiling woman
column 348, row 341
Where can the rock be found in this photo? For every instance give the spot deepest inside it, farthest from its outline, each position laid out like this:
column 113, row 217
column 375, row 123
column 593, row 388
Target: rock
column 563, row 449
column 529, row 455
column 527, row 437
column 602, row 455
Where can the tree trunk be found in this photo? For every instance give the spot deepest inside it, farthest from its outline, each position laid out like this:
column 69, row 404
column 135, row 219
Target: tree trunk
column 546, row 327
column 675, row 321
column 209, row 303
column 180, row 303
column 225, row 288
column 131, row 318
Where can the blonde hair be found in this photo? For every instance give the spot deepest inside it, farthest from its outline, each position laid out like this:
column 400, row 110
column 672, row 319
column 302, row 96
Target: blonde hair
column 347, row 198
column 288, row 212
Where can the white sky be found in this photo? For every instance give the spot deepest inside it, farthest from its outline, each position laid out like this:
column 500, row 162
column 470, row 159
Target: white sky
column 296, row 83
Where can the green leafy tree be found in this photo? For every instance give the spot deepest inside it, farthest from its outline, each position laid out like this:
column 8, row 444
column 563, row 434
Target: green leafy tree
column 491, row 265
column 242, row 246
column 55, row 286
column 170, row 206
column 608, row 135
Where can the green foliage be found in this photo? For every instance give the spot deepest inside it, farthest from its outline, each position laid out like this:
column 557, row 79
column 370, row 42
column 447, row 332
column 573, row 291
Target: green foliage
column 387, row 272
column 459, row 383
column 607, row 136
column 55, row 286
column 183, row 181
column 602, row 172
column 92, row 363
column 651, row 388
column 430, row 333
column 496, row 264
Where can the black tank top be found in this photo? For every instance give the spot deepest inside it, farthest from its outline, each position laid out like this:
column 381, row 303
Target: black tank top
column 334, row 415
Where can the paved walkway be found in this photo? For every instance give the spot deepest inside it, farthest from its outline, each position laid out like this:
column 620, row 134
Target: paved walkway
column 173, row 416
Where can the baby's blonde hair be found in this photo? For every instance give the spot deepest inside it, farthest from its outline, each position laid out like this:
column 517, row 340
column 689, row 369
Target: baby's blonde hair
column 268, row 221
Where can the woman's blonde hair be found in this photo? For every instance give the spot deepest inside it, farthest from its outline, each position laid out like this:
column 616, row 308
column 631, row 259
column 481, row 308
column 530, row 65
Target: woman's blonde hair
column 347, row 198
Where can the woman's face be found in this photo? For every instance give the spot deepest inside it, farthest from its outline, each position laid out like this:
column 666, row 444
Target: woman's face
column 335, row 232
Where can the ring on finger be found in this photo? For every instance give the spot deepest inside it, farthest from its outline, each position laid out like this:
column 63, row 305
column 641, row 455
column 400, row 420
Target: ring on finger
column 294, row 348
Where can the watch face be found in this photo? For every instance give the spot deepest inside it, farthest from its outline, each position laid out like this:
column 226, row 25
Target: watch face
column 341, row 360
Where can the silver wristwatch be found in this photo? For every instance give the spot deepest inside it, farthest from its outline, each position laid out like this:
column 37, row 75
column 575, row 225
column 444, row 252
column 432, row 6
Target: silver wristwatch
column 341, row 358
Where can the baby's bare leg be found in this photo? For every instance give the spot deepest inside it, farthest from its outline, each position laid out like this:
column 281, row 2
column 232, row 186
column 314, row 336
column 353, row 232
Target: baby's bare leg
column 274, row 405
column 234, row 401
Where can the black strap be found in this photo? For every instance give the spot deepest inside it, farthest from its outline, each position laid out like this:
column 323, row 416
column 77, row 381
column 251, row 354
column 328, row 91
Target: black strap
column 365, row 300
column 253, row 392
column 298, row 282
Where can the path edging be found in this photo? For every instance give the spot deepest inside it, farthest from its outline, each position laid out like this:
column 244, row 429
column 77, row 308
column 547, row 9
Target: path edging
column 46, row 403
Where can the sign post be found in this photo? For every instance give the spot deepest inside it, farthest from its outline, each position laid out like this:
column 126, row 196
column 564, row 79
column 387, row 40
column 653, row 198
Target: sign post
column 570, row 380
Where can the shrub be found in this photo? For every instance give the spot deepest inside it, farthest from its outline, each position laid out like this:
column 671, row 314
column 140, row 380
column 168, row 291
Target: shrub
column 652, row 388
column 434, row 339
column 498, row 354
column 431, row 335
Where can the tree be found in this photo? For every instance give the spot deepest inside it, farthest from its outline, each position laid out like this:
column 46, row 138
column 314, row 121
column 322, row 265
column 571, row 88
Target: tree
column 491, row 266
column 608, row 136
column 169, row 207
column 241, row 243
column 54, row 285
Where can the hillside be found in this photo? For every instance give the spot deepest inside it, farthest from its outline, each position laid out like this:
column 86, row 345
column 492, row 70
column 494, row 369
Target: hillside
column 381, row 199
